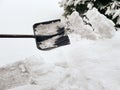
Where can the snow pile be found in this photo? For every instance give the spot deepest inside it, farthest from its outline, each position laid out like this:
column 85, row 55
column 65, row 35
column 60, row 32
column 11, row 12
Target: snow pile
column 75, row 24
column 92, row 25
column 102, row 26
column 84, row 65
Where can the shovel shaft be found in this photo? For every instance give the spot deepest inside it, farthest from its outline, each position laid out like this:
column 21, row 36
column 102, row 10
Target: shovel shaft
column 38, row 37
column 16, row 36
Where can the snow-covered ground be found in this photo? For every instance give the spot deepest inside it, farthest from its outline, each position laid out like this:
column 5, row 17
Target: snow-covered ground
column 84, row 65
column 90, row 62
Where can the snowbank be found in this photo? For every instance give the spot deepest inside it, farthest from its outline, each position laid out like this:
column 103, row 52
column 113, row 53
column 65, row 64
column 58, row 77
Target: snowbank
column 91, row 25
column 84, row 65
column 102, row 25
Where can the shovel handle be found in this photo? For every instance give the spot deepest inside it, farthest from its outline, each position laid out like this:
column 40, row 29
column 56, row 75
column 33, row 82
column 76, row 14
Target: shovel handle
column 16, row 36
column 38, row 37
column 29, row 36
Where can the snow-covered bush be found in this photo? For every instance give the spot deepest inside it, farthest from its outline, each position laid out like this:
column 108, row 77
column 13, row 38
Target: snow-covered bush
column 112, row 11
column 110, row 8
column 80, row 6
column 88, row 26
column 84, row 18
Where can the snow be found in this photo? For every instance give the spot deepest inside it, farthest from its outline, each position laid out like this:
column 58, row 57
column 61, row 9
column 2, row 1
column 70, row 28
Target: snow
column 114, row 11
column 101, row 24
column 72, row 2
column 117, row 14
column 49, row 43
column 29, row 87
column 47, row 29
column 95, row 27
column 90, row 62
column 84, row 65
column 66, row 2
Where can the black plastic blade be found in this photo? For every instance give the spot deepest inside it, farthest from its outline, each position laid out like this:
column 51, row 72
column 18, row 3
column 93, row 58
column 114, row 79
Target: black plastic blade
column 53, row 35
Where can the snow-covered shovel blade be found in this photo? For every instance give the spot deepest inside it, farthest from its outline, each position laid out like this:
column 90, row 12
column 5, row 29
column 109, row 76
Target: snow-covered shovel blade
column 53, row 35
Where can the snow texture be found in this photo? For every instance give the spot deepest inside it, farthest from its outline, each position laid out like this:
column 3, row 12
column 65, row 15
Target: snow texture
column 49, row 43
column 113, row 9
column 47, row 29
column 93, row 25
column 102, row 26
column 109, row 8
column 90, row 62
column 84, row 65
column 66, row 3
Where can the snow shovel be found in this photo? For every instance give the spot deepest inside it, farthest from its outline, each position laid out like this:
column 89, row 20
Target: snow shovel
column 48, row 35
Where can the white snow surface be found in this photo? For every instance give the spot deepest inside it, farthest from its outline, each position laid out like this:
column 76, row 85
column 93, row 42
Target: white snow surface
column 48, row 29
column 90, row 62
column 84, row 65
column 101, row 27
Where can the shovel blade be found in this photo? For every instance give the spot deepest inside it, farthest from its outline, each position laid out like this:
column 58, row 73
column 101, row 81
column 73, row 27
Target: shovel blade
column 52, row 35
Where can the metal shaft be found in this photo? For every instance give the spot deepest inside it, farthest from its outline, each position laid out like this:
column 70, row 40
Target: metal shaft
column 16, row 36
column 38, row 37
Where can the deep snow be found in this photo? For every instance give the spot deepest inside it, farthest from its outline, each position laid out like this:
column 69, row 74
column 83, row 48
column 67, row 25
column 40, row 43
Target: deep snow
column 90, row 62
column 84, row 65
